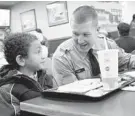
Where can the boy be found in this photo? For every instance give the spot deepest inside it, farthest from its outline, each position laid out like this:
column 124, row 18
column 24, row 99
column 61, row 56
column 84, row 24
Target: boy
column 24, row 77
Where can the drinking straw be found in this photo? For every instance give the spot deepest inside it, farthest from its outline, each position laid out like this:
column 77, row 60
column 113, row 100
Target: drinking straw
column 105, row 42
column 103, row 34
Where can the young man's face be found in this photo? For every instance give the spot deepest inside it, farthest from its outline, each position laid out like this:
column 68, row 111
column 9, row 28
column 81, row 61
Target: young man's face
column 84, row 34
column 36, row 58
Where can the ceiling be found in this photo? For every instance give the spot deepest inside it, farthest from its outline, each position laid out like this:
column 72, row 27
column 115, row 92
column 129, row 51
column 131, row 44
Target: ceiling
column 8, row 4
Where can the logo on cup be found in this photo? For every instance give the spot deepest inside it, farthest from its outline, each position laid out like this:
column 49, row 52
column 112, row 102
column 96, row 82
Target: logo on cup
column 107, row 68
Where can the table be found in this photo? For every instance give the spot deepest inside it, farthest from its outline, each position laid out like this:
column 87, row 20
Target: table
column 121, row 103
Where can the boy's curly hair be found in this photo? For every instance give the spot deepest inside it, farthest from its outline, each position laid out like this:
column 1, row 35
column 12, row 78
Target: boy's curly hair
column 17, row 44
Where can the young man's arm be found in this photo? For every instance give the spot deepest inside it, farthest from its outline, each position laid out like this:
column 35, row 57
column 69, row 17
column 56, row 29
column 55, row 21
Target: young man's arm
column 126, row 60
column 62, row 71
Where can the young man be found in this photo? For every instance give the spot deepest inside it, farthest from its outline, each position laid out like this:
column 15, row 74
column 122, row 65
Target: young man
column 125, row 41
column 76, row 58
column 24, row 77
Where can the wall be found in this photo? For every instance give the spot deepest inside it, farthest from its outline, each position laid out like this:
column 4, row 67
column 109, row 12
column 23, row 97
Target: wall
column 41, row 16
column 128, row 11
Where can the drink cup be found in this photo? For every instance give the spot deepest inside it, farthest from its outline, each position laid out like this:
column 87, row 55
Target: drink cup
column 108, row 62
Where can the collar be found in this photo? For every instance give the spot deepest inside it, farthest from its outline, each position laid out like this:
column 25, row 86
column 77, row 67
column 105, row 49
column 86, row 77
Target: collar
column 81, row 53
column 34, row 77
column 96, row 47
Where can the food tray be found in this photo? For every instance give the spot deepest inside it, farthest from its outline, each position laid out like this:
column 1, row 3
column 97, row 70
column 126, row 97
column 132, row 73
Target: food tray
column 88, row 89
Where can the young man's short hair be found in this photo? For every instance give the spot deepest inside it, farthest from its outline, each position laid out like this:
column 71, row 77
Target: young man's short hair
column 85, row 13
column 123, row 29
column 17, row 44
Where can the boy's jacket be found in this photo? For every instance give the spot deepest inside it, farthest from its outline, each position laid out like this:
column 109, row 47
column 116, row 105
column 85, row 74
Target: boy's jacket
column 15, row 88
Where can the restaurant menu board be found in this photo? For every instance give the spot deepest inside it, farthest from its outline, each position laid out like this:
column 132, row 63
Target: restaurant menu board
column 91, row 89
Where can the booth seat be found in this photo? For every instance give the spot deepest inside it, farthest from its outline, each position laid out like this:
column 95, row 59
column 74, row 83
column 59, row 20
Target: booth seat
column 54, row 43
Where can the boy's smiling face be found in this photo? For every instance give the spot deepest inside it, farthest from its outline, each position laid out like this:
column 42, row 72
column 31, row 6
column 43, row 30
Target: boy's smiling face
column 35, row 59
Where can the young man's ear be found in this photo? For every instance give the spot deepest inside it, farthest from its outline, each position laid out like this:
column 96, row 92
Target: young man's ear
column 20, row 60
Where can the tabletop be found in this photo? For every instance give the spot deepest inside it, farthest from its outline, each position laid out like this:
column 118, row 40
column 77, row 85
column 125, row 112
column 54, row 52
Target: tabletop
column 121, row 103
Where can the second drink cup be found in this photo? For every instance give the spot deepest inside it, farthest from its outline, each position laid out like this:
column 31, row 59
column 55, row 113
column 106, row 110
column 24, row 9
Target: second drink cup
column 108, row 62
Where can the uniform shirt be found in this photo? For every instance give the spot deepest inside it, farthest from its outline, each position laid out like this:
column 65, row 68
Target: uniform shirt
column 69, row 64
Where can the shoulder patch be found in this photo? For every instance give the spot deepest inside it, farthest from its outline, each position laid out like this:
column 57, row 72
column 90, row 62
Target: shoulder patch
column 64, row 48
column 67, row 45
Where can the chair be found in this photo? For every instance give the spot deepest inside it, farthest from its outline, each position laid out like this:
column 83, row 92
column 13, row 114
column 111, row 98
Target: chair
column 54, row 43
